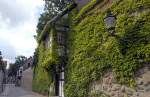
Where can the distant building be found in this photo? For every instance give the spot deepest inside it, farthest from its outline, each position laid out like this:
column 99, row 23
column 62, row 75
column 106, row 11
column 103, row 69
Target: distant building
column 28, row 63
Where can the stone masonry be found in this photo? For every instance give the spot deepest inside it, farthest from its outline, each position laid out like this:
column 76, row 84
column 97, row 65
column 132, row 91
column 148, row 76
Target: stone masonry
column 109, row 86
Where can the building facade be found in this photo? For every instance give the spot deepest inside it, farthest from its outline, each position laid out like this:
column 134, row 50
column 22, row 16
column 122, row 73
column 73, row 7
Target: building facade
column 53, row 46
column 91, row 59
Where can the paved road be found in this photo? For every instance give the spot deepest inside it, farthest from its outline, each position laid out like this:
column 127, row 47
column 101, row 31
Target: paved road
column 12, row 91
column 25, row 90
column 27, row 79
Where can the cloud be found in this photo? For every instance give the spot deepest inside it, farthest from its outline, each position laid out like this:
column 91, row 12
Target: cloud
column 12, row 12
column 18, row 25
column 18, row 11
column 8, row 51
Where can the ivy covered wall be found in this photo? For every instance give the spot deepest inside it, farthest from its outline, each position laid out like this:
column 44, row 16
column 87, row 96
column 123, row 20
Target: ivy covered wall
column 51, row 52
column 92, row 50
column 47, row 59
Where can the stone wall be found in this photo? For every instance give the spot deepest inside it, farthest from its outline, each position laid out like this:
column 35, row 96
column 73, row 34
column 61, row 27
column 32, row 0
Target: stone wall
column 110, row 88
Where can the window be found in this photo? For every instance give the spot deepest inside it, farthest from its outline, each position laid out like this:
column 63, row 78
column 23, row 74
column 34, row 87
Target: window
column 48, row 42
column 60, row 38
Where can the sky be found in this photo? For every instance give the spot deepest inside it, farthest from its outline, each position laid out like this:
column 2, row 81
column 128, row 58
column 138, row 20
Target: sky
column 18, row 20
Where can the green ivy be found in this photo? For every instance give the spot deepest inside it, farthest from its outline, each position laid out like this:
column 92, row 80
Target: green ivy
column 93, row 50
column 86, row 8
column 47, row 58
column 41, row 82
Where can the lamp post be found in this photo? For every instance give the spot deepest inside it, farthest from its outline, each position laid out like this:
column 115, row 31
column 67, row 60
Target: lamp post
column 110, row 23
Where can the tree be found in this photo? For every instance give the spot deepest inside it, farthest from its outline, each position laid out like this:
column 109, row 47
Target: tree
column 12, row 70
column 20, row 60
column 2, row 63
column 55, row 6
column 44, row 17
column 1, row 60
column 52, row 8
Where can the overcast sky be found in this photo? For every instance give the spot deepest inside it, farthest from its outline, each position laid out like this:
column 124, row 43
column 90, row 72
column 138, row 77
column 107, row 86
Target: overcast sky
column 18, row 20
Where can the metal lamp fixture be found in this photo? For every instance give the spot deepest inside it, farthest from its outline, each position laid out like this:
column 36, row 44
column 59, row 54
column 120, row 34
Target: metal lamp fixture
column 110, row 23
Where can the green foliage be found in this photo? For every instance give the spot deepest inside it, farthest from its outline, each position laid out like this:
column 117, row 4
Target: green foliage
column 51, row 9
column 54, row 7
column 47, row 58
column 93, row 50
column 87, row 8
column 41, row 82
column 19, row 61
column 44, row 18
column 12, row 69
column 2, row 65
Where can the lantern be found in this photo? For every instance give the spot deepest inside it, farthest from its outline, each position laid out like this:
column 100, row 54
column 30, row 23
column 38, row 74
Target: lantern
column 110, row 23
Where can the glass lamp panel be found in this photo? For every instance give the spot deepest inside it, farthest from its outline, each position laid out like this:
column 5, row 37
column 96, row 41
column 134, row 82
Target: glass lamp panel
column 110, row 22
